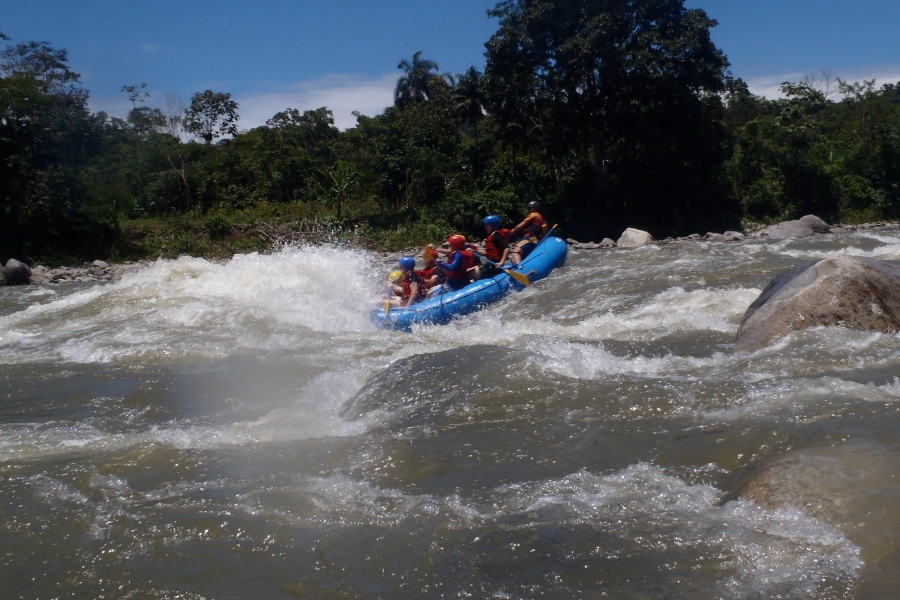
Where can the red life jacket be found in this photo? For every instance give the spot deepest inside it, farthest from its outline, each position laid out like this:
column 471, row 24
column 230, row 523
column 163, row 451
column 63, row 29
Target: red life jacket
column 426, row 274
column 493, row 252
column 406, row 283
column 469, row 261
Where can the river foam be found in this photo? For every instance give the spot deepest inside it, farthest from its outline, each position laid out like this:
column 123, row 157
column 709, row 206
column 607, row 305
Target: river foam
column 192, row 308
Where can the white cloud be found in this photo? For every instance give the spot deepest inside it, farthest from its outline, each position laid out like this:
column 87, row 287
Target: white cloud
column 149, row 47
column 342, row 94
column 770, row 86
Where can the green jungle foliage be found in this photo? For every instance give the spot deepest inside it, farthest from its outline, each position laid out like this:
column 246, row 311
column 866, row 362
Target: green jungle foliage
column 611, row 113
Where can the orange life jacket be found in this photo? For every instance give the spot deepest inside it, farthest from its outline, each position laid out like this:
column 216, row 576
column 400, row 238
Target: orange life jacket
column 469, row 261
column 536, row 225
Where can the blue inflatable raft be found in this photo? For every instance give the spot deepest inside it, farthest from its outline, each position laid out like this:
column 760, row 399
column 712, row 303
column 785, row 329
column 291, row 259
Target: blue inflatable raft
column 549, row 254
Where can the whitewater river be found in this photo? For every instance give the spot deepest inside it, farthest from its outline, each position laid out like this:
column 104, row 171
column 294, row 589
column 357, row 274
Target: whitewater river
column 240, row 430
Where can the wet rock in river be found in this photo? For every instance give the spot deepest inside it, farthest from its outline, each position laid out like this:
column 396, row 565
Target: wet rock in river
column 634, row 238
column 787, row 229
column 17, row 273
column 816, row 224
column 607, row 243
column 40, row 274
column 803, row 227
column 734, row 236
column 854, row 488
column 854, row 292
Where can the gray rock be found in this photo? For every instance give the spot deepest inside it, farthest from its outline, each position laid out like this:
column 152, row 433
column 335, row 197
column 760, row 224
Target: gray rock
column 119, row 271
column 100, row 264
column 572, row 241
column 588, row 246
column 734, row 236
column 695, row 236
column 788, row 229
column 852, row 487
column 40, row 274
column 607, row 243
column 816, row 224
column 17, row 273
column 854, row 292
column 634, row 238
column 715, row 237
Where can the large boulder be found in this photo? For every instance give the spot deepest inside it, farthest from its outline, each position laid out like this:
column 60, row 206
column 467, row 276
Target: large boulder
column 17, row 273
column 634, row 238
column 854, row 292
column 787, row 229
column 816, row 224
column 852, row 487
column 40, row 274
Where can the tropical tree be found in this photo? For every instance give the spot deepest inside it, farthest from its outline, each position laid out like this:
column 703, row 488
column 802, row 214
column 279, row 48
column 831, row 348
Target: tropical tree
column 469, row 96
column 211, row 115
column 47, row 140
column 341, row 182
column 136, row 93
column 633, row 82
column 417, row 80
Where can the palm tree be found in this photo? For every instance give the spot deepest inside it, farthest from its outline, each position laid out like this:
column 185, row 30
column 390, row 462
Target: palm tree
column 470, row 98
column 415, row 83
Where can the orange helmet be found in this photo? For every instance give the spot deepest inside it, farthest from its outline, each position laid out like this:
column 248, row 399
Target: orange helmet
column 457, row 242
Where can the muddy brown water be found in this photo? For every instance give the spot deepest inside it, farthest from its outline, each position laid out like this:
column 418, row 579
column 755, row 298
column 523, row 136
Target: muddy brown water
column 240, row 430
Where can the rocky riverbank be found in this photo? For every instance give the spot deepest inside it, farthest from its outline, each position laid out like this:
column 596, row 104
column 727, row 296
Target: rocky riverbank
column 16, row 272
column 804, row 227
column 94, row 272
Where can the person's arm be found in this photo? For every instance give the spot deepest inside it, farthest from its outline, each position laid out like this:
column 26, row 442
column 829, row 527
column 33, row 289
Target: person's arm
column 455, row 265
column 504, row 257
column 523, row 225
column 413, row 293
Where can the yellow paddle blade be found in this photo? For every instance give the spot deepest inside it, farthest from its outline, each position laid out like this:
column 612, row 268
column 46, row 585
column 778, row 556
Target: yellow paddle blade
column 520, row 277
column 387, row 308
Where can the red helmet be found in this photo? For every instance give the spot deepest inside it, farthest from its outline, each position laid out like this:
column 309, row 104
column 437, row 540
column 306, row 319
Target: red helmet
column 457, row 242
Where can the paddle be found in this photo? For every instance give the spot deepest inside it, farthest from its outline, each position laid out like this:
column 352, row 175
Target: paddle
column 552, row 229
column 387, row 303
column 520, row 277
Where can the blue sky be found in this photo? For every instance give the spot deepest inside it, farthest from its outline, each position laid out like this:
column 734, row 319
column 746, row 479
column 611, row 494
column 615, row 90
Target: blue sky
column 343, row 53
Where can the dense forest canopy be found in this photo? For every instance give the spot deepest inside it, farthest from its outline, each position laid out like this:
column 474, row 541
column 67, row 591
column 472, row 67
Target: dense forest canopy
column 612, row 113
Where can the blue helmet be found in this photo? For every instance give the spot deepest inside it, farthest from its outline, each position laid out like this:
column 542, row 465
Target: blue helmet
column 408, row 263
column 493, row 221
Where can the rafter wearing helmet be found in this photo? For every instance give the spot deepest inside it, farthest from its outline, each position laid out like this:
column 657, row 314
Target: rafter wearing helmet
column 460, row 262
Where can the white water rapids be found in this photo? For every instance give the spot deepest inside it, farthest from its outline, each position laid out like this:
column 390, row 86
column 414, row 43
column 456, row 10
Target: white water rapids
column 204, row 430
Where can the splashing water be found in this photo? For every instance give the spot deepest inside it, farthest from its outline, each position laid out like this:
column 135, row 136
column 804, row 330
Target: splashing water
column 202, row 430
